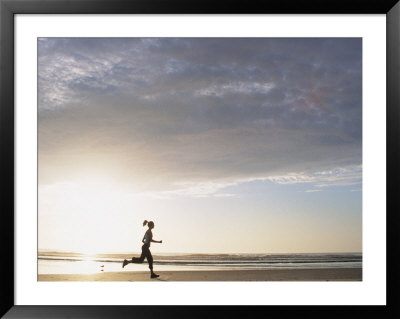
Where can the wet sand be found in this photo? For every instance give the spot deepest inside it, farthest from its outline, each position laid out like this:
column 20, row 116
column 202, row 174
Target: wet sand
column 331, row 274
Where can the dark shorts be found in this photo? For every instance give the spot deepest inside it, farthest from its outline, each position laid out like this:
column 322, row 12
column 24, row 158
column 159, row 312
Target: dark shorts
column 145, row 254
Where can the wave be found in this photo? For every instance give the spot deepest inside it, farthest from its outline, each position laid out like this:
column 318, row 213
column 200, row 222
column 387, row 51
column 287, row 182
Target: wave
column 223, row 260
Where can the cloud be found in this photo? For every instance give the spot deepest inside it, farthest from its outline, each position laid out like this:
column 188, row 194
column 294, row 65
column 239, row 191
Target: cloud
column 190, row 189
column 342, row 176
column 348, row 176
column 156, row 113
column 236, row 87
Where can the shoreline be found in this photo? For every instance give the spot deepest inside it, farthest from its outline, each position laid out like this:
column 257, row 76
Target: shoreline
column 321, row 274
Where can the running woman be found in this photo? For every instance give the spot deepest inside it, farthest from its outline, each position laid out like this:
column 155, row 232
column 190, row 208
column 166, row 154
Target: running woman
column 147, row 239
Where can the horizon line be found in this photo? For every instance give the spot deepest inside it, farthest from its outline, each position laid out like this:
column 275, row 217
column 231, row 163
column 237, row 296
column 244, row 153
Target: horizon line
column 198, row 253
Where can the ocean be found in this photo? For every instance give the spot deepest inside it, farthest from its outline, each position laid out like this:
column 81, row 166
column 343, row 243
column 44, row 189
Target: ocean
column 76, row 263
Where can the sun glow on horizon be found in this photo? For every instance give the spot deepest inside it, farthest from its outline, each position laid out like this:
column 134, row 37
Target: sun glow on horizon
column 98, row 217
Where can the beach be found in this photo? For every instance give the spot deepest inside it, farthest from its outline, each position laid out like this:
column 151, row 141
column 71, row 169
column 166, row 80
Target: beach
column 324, row 274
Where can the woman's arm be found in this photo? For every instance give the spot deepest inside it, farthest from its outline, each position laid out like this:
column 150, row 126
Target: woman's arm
column 152, row 240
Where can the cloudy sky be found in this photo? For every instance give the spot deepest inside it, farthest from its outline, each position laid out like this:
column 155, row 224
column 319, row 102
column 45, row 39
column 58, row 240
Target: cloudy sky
column 228, row 144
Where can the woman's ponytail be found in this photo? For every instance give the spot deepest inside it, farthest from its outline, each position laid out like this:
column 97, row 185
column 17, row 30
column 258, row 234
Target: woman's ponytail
column 145, row 223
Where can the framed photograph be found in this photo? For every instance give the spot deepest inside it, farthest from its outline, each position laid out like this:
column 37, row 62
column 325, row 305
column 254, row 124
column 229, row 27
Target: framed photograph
column 194, row 159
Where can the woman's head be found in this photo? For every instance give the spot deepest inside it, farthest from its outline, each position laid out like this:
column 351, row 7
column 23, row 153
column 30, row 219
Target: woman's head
column 150, row 224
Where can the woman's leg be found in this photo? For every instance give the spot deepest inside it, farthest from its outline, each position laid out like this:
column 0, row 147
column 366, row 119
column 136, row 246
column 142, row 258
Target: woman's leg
column 136, row 260
column 150, row 261
column 139, row 260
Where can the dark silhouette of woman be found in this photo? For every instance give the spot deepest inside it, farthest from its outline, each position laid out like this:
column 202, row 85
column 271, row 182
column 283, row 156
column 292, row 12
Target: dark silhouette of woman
column 147, row 239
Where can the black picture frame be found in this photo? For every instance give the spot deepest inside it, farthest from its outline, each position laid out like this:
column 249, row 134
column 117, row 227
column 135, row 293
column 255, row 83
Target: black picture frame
column 8, row 8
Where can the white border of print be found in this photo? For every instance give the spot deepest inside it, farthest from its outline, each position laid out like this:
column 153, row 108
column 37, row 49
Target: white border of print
column 372, row 290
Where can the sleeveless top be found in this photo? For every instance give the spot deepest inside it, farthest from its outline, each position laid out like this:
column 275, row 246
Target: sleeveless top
column 147, row 238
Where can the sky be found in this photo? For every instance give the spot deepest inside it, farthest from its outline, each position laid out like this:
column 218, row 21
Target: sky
column 230, row 145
